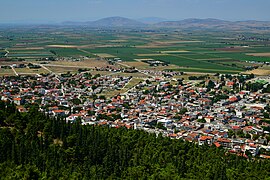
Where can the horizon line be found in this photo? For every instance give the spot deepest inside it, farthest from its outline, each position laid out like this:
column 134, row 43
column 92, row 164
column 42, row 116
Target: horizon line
column 49, row 22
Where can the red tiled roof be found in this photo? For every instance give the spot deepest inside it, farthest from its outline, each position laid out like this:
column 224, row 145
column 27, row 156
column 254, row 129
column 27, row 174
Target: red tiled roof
column 264, row 156
column 58, row 111
column 217, row 144
column 128, row 126
column 17, row 99
column 236, row 127
column 203, row 138
column 253, row 145
column 173, row 135
column 233, row 99
column 224, row 140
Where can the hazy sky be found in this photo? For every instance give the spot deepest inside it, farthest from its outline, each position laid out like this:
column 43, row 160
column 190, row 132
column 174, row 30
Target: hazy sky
column 83, row 10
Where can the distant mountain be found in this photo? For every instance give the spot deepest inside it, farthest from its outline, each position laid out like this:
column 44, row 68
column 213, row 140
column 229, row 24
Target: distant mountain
column 108, row 22
column 192, row 23
column 151, row 20
column 215, row 24
column 116, row 22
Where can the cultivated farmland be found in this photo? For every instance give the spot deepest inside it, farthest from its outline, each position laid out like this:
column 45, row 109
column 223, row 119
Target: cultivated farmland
column 195, row 51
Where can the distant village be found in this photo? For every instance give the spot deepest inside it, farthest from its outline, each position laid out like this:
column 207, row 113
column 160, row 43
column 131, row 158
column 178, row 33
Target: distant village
column 229, row 111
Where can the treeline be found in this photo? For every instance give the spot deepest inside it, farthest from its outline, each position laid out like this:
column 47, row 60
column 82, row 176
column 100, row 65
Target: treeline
column 34, row 146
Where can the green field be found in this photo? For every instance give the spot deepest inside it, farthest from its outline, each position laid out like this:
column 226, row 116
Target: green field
column 198, row 51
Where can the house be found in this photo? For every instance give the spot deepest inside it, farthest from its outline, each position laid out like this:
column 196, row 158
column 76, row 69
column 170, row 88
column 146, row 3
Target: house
column 209, row 119
column 18, row 101
column 252, row 148
column 230, row 84
column 73, row 117
column 206, row 140
column 224, row 142
column 58, row 112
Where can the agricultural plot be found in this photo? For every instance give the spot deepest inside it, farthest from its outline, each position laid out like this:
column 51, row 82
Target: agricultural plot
column 198, row 56
column 28, row 53
column 259, row 54
column 188, row 63
column 194, row 51
column 175, row 52
column 105, row 55
column 149, row 55
column 67, row 52
column 125, row 53
column 87, row 63
column 244, row 57
column 233, row 63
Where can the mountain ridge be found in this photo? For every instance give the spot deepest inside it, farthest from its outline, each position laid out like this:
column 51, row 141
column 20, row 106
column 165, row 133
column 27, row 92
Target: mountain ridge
column 207, row 23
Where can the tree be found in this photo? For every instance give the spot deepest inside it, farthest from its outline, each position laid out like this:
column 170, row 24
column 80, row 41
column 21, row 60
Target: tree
column 160, row 126
column 210, row 85
column 183, row 111
column 201, row 120
column 266, row 115
column 102, row 97
column 231, row 133
column 76, row 101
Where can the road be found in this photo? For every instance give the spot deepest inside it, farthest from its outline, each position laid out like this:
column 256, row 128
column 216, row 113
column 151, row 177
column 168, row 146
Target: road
column 125, row 65
column 14, row 71
column 84, row 51
column 7, row 52
column 41, row 65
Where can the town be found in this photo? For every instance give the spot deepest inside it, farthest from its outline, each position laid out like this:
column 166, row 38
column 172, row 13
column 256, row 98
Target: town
column 222, row 110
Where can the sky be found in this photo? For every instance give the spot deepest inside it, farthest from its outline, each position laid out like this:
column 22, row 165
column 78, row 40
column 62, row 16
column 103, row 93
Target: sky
column 52, row 11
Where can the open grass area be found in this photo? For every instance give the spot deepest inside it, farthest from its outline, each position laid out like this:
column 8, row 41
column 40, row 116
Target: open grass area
column 60, row 70
column 132, row 83
column 31, row 71
column 6, row 72
column 261, row 71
